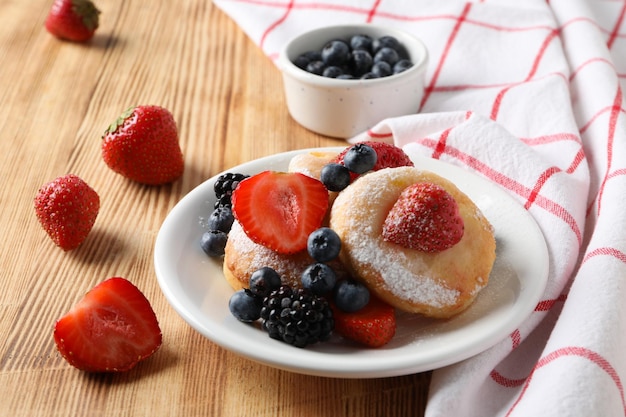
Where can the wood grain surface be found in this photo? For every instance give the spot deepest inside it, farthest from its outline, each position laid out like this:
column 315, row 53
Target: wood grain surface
column 56, row 100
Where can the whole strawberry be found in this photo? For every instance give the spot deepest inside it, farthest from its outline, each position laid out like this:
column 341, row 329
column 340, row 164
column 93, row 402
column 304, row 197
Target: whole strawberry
column 425, row 217
column 67, row 209
column 142, row 145
column 74, row 20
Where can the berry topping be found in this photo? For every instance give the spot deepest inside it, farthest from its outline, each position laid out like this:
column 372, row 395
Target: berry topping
column 351, row 295
column 297, row 317
column 111, row 329
column 387, row 156
column 360, row 158
column 373, row 326
column 225, row 184
column 67, row 209
column 263, row 281
column 213, row 243
column 324, row 244
column 425, row 217
column 335, row 176
column 279, row 210
column 319, row 278
column 245, row 306
column 142, row 145
column 221, row 219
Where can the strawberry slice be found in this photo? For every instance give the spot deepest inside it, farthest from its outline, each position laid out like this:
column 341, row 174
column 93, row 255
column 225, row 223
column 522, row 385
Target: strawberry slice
column 280, row 209
column 374, row 325
column 110, row 330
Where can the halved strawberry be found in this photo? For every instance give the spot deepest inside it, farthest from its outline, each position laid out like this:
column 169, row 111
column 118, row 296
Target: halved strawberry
column 111, row 329
column 280, row 209
column 425, row 217
column 388, row 156
column 374, row 325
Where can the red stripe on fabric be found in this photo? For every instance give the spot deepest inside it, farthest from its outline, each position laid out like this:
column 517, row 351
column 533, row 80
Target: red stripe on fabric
column 613, row 252
column 598, row 114
column 510, row 184
column 543, row 178
column 446, row 50
column 589, row 62
column 500, row 379
column 375, row 135
column 581, row 352
column 516, row 339
column 615, row 30
column 546, row 305
column 372, row 12
column 495, row 109
column 556, row 137
column 276, row 23
column 441, row 144
column 615, row 111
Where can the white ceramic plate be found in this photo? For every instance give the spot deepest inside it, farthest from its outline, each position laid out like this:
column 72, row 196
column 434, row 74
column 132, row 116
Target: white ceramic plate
column 194, row 285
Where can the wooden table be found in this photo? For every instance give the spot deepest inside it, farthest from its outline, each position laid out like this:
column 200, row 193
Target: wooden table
column 56, row 99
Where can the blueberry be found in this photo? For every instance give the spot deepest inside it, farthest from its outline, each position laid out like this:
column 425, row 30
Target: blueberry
column 360, row 158
column 263, row 281
column 361, row 42
column 332, row 72
column 402, row 65
column 351, row 295
column 336, row 52
column 386, row 41
column 245, row 306
column 369, row 75
column 221, row 219
column 382, row 69
column 335, row 176
column 345, row 77
column 316, row 67
column 304, row 59
column 213, row 243
column 387, row 55
column 324, row 244
column 319, row 278
column 361, row 62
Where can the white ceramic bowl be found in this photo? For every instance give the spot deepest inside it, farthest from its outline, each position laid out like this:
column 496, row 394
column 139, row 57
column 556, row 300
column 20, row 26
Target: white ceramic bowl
column 343, row 108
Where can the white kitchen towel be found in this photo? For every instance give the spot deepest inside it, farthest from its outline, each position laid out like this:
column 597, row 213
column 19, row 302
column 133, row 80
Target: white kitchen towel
column 528, row 94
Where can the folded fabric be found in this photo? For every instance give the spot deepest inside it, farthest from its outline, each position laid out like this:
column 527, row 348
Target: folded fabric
column 528, row 95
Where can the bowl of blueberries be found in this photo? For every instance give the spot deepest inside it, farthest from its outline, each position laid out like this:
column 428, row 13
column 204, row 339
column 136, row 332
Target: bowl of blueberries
column 342, row 80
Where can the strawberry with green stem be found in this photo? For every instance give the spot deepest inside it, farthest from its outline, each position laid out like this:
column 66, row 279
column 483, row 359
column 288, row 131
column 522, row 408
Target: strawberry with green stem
column 73, row 20
column 143, row 145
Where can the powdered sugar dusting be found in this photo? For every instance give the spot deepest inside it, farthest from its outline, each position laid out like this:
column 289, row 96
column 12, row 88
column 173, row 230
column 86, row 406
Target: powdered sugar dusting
column 402, row 276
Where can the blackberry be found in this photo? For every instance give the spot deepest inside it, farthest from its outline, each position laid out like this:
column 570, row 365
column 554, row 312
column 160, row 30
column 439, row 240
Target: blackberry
column 297, row 316
column 225, row 185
